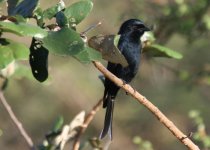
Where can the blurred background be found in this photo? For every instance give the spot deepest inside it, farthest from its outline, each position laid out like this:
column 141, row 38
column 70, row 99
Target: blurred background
column 175, row 86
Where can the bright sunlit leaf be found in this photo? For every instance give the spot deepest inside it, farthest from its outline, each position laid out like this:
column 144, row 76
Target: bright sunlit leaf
column 6, row 56
column 23, row 29
column 156, row 50
column 10, row 51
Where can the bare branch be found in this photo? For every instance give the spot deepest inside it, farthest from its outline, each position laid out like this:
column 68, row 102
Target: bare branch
column 16, row 121
column 151, row 107
column 87, row 121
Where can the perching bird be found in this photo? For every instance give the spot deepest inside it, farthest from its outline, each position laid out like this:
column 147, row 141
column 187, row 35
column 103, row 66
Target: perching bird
column 130, row 46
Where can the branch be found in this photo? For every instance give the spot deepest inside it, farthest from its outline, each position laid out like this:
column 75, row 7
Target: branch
column 16, row 121
column 87, row 121
column 141, row 99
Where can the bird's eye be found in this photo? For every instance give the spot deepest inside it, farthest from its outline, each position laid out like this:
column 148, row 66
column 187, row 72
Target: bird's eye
column 140, row 26
column 137, row 27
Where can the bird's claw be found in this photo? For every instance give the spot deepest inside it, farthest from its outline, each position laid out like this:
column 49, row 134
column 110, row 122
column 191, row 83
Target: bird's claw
column 124, row 82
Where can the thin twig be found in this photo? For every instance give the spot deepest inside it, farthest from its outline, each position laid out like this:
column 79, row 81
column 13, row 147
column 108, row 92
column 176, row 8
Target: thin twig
column 16, row 121
column 87, row 121
column 151, row 107
column 90, row 28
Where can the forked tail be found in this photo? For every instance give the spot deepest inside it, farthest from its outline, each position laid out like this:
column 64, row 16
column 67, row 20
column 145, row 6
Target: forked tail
column 108, row 118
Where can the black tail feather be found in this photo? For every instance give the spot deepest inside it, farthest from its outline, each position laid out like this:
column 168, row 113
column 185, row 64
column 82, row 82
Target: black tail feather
column 108, row 118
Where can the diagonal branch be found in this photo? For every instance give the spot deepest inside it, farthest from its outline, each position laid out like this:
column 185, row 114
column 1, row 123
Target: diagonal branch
column 87, row 121
column 16, row 121
column 151, row 107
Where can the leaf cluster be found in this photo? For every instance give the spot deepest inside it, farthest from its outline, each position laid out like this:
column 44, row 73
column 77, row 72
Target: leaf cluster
column 60, row 37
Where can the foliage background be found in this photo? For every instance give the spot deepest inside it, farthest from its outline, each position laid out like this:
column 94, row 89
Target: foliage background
column 175, row 86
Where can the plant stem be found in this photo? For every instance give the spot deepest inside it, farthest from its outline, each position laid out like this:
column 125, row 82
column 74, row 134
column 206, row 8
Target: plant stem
column 87, row 121
column 16, row 121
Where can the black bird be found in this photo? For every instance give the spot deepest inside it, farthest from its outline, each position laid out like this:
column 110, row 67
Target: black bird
column 130, row 46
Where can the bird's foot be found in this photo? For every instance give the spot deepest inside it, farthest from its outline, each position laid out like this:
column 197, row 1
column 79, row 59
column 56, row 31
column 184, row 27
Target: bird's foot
column 124, row 82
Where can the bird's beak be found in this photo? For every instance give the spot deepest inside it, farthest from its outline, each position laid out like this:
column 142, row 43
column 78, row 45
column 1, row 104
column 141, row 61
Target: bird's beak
column 147, row 29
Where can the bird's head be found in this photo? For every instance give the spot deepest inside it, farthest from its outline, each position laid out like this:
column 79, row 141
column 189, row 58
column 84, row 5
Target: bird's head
column 133, row 26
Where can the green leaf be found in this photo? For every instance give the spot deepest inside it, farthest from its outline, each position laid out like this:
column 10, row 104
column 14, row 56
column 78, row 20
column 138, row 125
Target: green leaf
column 52, row 11
column 19, row 19
column 116, row 40
column 6, row 56
column 78, row 11
column 10, row 50
column 38, row 14
column 20, row 51
column 58, row 124
column 23, row 29
column 93, row 54
column 63, row 42
column 16, row 19
column 156, row 50
column 88, row 55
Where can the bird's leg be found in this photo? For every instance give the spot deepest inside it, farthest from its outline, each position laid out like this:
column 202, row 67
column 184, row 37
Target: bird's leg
column 124, row 82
